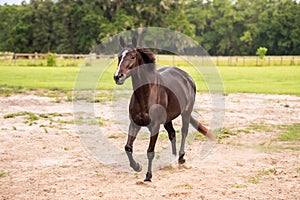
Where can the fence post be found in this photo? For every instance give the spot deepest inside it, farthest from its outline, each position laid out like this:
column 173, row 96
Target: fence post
column 15, row 59
column 91, row 59
column 35, row 57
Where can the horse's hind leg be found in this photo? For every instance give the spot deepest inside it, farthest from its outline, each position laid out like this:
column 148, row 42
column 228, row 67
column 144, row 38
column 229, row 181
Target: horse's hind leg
column 133, row 130
column 172, row 135
column 184, row 131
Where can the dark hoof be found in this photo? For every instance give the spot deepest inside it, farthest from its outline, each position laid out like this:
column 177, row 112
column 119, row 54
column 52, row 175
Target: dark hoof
column 148, row 177
column 181, row 160
column 137, row 167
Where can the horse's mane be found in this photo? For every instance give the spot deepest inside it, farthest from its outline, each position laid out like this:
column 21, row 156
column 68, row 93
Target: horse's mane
column 147, row 55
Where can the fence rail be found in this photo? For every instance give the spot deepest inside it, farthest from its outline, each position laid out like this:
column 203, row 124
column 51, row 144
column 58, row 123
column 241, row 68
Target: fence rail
column 239, row 60
column 40, row 55
column 256, row 61
column 37, row 58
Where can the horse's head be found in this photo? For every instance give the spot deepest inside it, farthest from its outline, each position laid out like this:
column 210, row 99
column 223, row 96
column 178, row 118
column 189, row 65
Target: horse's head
column 128, row 59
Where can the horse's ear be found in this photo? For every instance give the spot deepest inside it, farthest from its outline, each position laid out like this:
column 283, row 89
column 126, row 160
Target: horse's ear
column 122, row 43
column 134, row 42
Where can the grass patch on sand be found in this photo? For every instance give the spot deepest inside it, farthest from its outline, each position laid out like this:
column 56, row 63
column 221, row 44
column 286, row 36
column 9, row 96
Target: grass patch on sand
column 292, row 133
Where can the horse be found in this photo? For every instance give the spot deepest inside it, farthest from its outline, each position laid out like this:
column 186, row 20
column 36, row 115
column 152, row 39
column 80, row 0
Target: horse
column 159, row 97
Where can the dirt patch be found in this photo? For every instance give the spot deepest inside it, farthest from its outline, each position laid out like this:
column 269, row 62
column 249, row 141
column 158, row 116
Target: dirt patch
column 43, row 157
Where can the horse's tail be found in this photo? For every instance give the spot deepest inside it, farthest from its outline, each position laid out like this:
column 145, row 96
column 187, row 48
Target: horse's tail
column 202, row 129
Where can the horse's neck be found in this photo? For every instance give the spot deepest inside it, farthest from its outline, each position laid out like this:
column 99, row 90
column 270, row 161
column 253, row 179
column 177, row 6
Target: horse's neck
column 145, row 77
column 143, row 83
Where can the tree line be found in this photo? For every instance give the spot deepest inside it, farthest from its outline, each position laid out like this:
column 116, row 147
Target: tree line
column 222, row 27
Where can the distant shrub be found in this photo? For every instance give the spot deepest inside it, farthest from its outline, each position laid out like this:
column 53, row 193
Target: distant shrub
column 261, row 52
column 51, row 60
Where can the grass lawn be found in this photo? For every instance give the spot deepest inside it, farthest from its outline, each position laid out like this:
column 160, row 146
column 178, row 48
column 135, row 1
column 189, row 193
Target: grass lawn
column 267, row 80
column 39, row 77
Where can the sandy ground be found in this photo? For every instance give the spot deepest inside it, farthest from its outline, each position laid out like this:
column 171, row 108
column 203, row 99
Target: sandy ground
column 44, row 158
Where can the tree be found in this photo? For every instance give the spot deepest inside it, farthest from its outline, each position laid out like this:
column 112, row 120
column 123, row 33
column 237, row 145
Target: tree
column 42, row 27
column 177, row 20
column 7, row 23
column 21, row 35
column 198, row 13
column 222, row 27
column 261, row 52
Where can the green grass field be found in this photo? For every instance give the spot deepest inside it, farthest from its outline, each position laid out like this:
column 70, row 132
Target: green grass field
column 266, row 80
column 39, row 77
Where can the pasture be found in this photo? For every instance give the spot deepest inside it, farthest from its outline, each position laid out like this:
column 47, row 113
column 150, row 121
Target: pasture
column 255, row 79
column 42, row 156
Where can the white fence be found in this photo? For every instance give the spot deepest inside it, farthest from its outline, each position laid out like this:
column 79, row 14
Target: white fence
column 169, row 59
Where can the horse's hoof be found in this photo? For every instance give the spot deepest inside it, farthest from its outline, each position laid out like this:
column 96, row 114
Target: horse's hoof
column 137, row 167
column 148, row 177
column 147, row 180
column 181, row 160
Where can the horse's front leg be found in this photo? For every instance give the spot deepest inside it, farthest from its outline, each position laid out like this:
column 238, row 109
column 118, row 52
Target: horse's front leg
column 150, row 152
column 132, row 133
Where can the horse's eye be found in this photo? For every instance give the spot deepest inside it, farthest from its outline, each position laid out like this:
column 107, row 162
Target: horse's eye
column 132, row 57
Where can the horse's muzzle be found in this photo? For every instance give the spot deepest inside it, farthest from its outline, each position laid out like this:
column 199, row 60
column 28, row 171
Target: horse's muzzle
column 119, row 79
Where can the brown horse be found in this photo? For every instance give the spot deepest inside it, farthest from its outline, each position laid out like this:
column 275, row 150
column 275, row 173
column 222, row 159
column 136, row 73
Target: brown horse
column 159, row 97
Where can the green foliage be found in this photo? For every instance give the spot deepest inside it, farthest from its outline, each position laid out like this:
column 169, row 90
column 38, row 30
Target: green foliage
column 222, row 27
column 51, row 60
column 261, row 52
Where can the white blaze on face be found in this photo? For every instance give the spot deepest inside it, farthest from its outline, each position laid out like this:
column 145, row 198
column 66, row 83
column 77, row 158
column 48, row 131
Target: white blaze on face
column 122, row 58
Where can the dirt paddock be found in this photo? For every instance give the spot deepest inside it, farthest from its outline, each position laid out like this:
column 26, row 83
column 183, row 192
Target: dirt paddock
column 42, row 156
